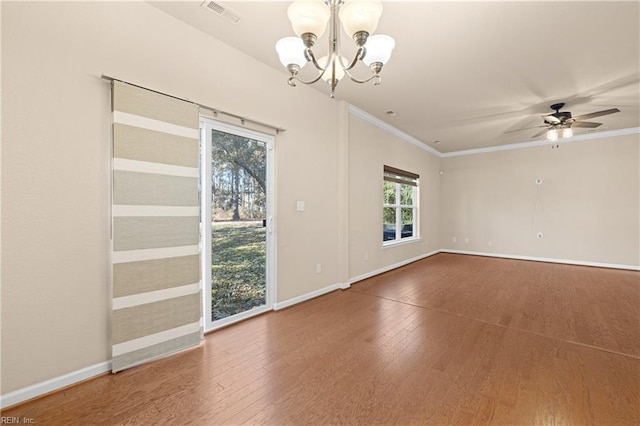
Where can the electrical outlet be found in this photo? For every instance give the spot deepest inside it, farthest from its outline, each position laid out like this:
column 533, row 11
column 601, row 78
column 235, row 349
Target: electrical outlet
column 318, row 268
column 466, row 241
column 489, row 243
column 454, row 239
column 366, row 256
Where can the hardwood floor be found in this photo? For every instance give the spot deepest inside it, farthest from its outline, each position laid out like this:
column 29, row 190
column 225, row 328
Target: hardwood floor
column 451, row 339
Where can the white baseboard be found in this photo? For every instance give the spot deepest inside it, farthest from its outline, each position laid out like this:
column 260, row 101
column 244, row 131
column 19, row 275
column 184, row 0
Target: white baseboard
column 545, row 259
column 390, row 267
column 295, row 300
column 54, row 384
column 344, row 286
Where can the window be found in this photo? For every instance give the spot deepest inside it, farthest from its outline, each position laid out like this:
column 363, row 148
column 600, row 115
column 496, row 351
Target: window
column 400, row 206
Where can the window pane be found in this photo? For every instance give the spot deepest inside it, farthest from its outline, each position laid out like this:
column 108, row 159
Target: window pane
column 388, row 224
column 406, row 195
column 389, row 193
column 238, row 234
column 407, row 223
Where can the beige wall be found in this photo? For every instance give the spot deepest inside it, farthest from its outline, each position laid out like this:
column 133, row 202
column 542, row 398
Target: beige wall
column 586, row 208
column 370, row 148
column 55, row 166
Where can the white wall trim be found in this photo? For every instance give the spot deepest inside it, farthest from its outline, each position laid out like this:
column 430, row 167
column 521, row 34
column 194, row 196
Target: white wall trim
column 520, row 145
column 545, row 259
column 54, row 384
column 577, row 138
column 390, row 267
column 390, row 129
column 307, row 296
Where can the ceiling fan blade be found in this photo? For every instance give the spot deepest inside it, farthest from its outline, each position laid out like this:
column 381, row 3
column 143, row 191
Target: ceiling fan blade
column 596, row 114
column 551, row 119
column 525, row 128
column 586, row 124
column 540, row 133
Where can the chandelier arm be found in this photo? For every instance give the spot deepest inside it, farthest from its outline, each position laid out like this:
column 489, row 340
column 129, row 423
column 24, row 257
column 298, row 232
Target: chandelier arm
column 292, row 78
column 358, row 57
column 312, row 58
column 357, row 80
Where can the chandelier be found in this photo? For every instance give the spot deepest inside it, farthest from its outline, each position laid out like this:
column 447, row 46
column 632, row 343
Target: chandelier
column 359, row 20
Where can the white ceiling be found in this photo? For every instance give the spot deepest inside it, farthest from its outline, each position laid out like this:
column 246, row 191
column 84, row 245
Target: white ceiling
column 464, row 73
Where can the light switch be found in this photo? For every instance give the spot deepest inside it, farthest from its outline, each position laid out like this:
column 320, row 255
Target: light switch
column 300, row 206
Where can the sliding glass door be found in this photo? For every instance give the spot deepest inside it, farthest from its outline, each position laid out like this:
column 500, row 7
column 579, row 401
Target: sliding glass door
column 238, row 224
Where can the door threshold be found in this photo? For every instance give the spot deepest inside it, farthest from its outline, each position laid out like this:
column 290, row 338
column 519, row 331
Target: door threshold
column 234, row 319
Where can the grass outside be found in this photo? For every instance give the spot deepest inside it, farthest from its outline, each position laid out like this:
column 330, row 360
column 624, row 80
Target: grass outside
column 238, row 267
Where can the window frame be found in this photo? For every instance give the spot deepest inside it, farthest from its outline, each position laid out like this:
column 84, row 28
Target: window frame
column 399, row 178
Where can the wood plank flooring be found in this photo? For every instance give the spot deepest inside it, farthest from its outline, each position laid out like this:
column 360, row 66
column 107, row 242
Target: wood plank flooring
column 451, row 339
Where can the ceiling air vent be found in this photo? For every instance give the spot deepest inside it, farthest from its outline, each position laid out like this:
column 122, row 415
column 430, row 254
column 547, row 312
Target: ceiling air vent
column 222, row 10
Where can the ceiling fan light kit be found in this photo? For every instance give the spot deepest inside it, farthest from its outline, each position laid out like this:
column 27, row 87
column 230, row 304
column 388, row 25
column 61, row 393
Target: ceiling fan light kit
column 359, row 20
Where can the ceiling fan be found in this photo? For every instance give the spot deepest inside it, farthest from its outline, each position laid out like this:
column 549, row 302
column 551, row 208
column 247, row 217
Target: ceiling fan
column 565, row 121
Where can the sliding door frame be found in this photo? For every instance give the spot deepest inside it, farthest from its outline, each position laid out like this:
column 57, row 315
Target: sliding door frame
column 206, row 127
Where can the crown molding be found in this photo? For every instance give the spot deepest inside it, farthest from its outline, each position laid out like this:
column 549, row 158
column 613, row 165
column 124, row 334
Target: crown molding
column 390, row 129
column 577, row 138
column 520, row 145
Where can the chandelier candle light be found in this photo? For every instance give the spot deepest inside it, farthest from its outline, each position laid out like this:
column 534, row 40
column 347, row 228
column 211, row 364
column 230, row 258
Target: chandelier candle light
column 309, row 20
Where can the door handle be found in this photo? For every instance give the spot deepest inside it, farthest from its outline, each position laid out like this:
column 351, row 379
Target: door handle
column 270, row 226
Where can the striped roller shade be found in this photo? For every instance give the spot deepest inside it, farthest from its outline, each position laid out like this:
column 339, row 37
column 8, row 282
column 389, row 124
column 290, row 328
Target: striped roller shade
column 156, row 259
